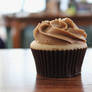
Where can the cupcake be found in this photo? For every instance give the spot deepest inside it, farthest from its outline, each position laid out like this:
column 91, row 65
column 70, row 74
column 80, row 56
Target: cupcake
column 59, row 48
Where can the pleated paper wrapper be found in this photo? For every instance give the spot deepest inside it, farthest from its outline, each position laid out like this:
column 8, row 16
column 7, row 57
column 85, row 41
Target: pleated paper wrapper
column 59, row 64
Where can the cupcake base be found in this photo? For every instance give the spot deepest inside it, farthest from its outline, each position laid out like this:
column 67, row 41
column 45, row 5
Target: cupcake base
column 58, row 64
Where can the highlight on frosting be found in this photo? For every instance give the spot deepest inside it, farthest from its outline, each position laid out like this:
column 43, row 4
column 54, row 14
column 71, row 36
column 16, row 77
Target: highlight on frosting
column 59, row 31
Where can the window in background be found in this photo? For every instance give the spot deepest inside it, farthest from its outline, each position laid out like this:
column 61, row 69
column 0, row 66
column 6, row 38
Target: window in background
column 89, row 1
column 10, row 6
column 34, row 5
column 64, row 5
column 13, row 6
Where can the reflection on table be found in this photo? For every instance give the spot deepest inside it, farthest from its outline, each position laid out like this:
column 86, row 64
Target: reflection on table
column 18, row 74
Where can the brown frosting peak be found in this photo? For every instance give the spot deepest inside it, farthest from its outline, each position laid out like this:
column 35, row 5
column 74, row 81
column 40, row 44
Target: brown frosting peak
column 59, row 31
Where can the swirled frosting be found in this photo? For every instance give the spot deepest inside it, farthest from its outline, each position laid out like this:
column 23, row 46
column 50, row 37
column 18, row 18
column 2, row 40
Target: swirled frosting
column 59, row 31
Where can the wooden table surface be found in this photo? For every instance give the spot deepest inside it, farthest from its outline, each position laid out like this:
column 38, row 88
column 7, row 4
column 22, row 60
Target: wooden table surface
column 18, row 74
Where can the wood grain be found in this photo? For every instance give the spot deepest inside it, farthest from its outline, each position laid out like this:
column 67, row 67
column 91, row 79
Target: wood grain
column 18, row 74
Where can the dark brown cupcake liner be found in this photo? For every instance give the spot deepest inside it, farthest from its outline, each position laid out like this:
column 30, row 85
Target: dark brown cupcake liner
column 66, row 63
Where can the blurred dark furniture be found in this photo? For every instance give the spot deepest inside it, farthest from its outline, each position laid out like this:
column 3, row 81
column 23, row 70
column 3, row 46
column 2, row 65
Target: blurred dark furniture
column 2, row 44
column 18, row 23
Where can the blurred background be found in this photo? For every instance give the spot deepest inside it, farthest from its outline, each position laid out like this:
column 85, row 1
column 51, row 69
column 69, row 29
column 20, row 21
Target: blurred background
column 19, row 17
